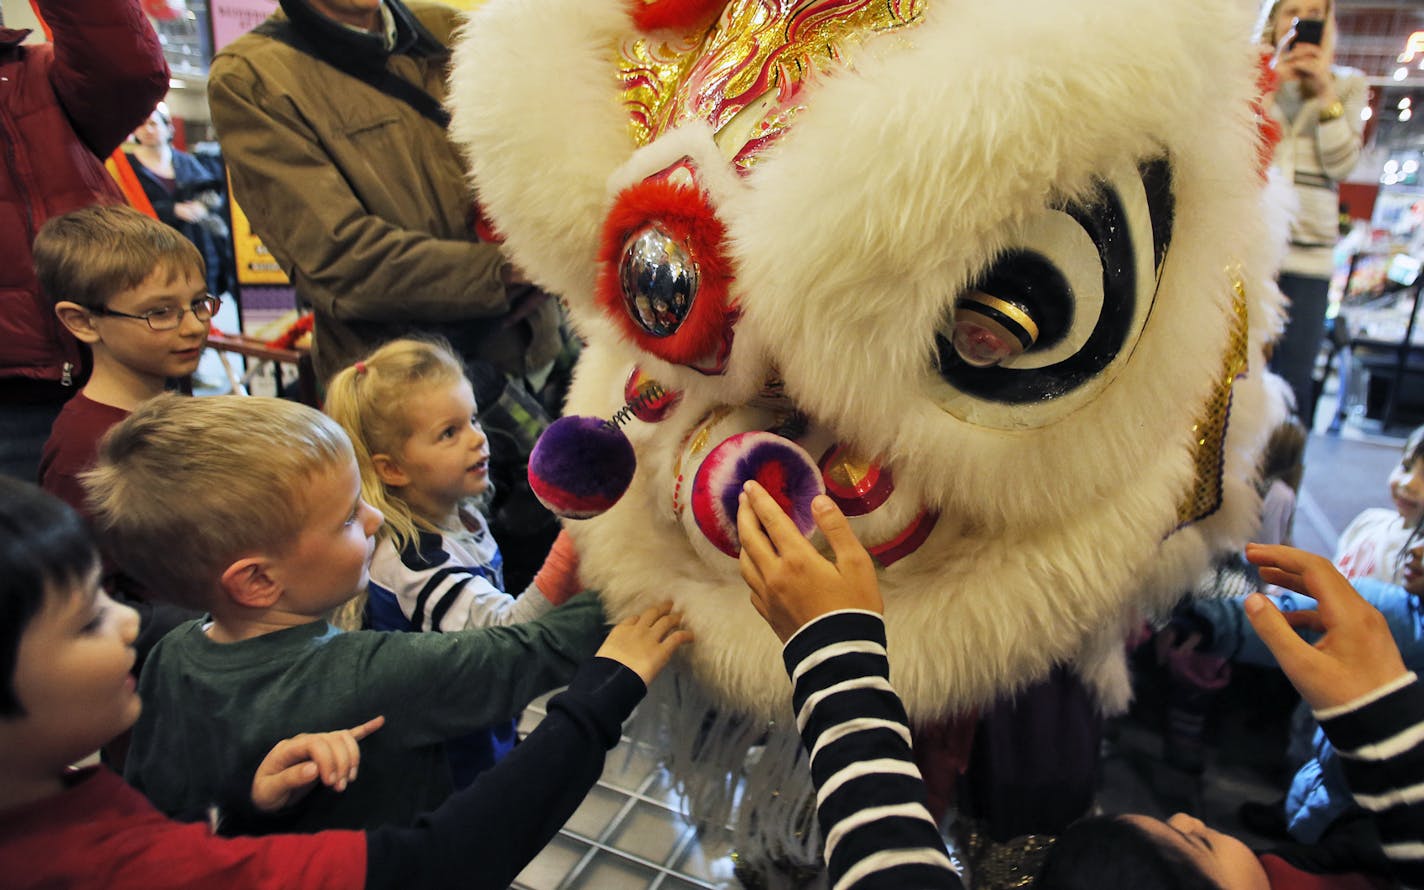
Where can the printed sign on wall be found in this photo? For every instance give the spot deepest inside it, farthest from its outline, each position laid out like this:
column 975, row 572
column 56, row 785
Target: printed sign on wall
column 255, row 264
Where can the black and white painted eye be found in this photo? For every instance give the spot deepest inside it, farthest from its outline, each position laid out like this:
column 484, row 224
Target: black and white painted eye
column 1048, row 326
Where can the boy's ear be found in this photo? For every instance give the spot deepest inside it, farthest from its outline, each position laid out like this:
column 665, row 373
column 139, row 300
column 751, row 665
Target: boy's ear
column 78, row 320
column 388, row 471
column 249, row 583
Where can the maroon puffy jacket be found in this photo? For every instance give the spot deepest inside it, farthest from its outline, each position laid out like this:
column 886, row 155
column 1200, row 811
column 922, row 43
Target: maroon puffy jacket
column 64, row 107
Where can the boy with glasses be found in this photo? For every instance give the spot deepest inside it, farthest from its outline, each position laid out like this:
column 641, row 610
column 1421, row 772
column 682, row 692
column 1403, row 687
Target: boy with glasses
column 134, row 290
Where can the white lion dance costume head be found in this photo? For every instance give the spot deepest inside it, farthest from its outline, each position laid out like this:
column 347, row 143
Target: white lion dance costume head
column 994, row 276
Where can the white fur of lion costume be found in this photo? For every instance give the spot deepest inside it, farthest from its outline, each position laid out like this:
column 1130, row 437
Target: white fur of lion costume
column 918, row 149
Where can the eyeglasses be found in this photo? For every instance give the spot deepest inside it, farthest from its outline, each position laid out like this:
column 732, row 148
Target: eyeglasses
column 168, row 318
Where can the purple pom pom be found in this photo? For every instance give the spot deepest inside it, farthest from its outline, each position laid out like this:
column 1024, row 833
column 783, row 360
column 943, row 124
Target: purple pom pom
column 581, row 466
column 781, row 466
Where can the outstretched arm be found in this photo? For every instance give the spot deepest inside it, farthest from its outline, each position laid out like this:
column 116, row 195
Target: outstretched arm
column 475, row 678
column 870, row 795
column 1370, row 707
column 485, row 834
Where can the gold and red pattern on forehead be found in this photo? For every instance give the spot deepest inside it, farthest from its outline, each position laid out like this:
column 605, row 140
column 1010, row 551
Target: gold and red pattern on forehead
column 744, row 76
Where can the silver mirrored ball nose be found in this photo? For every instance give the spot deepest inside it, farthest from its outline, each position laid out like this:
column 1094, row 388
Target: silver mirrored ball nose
column 659, row 279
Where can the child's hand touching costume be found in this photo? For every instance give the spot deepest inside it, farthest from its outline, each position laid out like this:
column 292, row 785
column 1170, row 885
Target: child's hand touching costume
column 558, row 577
column 644, row 643
column 791, row 582
column 1357, row 654
column 294, row 765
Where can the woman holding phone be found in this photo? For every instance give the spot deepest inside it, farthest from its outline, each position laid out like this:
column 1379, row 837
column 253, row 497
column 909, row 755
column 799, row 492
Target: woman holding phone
column 1317, row 106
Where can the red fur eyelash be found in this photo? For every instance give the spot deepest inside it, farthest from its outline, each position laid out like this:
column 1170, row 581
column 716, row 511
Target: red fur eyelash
column 686, row 215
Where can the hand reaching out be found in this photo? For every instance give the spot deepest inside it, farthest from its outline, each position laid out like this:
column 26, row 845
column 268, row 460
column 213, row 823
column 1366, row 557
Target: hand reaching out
column 645, row 643
column 294, row 765
column 791, row 582
column 1357, row 653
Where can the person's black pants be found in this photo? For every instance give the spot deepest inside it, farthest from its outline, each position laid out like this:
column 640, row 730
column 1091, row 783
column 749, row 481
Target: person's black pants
column 1296, row 351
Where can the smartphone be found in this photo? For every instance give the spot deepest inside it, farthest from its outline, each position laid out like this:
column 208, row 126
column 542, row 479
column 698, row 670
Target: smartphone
column 1309, row 31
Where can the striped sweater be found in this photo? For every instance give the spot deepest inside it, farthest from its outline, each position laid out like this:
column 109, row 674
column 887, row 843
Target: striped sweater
column 1315, row 156
column 870, row 798
column 446, row 581
column 1380, row 740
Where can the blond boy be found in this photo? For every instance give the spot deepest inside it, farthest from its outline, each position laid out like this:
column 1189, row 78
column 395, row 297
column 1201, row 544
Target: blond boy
column 251, row 510
column 133, row 290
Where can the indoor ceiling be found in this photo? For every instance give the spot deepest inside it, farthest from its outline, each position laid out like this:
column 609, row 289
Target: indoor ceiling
column 1373, row 34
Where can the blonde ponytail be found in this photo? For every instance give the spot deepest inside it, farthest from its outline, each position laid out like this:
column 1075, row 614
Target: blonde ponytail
column 367, row 400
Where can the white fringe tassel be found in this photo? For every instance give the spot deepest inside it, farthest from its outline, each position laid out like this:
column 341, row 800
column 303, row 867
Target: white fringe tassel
column 736, row 773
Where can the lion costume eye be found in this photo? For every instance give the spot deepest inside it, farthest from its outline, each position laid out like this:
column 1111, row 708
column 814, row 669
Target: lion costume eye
column 659, row 280
column 1048, row 325
column 1022, row 304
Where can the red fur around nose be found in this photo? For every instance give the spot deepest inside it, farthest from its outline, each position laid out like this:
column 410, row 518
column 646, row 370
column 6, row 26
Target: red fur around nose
column 681, row 15
column 684, row 213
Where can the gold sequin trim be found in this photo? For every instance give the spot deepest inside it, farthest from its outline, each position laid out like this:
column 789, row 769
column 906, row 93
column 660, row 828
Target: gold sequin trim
column 1209, row 433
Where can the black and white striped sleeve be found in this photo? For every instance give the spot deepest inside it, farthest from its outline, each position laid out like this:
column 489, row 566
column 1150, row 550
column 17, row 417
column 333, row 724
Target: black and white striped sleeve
column 870, row 798
column 1380, row 740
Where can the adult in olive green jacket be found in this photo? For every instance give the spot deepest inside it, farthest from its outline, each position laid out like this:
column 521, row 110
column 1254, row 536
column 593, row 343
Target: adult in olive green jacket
column 361, row 198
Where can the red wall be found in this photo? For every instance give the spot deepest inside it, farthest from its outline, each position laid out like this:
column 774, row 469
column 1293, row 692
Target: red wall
column 1361, row 198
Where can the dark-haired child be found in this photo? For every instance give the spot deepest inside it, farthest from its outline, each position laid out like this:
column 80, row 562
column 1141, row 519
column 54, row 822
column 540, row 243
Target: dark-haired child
column 1371, row 709
column 65, row 689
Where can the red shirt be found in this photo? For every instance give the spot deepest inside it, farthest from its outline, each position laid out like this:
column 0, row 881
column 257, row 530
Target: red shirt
column 101, row 833
column 73, row 446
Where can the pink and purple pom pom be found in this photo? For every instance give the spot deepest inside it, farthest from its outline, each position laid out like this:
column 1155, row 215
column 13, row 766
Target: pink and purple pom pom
column 581, row 466
column 779, row 465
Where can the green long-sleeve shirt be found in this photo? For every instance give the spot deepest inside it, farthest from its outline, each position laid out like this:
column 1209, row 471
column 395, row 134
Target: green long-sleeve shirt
column 212, row 711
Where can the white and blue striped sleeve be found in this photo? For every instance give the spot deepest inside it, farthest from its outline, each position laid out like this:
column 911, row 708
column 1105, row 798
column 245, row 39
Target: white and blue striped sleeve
column 870, row 797
column 442, row 587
